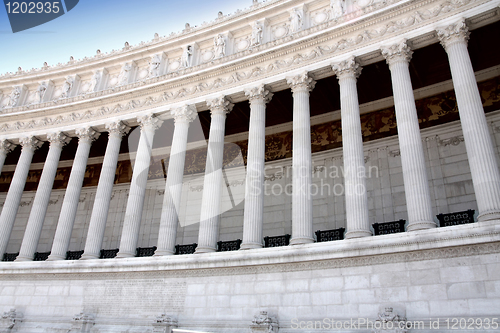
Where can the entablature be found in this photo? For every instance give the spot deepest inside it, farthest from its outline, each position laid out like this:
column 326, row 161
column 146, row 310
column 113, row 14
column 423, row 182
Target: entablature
column 310, row 49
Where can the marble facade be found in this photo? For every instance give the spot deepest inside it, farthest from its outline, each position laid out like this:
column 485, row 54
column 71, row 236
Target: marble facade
column 434, row 149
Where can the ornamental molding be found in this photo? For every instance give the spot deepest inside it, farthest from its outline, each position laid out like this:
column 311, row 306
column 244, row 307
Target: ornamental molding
column 87, row 134
column 454, row 33
column 58, row 139
column 30, row 142
column 181, row 87
column 347, row 68
column 454, row 141
column 399, row 52
column 186, row 113
column 258, row 94
column 125, row 272
column 149, row 121
column 6, row 146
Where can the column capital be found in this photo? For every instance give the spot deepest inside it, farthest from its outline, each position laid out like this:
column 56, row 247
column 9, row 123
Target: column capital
column 58, row 139
column 455, row 33
column 301, row 82
column 6, row 146
column 149, row 120
column 117, row 128
column 30, row 142
column 257, row 94
column 399, row 52
column 347, row 68
column 87, row 134
column 186, row 113
column 219, row 105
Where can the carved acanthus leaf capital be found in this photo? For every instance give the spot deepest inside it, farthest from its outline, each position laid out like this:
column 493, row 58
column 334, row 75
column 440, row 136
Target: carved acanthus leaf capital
column 454, row 33
column 30, row 142
column 6, row 146
column 58, row 139
column 301, row 82
column 347, row 68
column 257, row 94
column 87, row 134
column 149, row 120
column 399, row 52
column 220, row 105
column 117, row 128
column 186, row 113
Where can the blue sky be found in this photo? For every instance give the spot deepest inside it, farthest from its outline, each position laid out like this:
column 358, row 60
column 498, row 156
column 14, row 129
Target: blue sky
column 104, row 25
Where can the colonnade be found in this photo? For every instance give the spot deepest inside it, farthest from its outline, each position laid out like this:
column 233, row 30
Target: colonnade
column 480, row 151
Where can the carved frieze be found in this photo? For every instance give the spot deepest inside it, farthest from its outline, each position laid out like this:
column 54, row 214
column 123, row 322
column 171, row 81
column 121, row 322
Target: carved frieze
column 264, row 323
column 9, row 320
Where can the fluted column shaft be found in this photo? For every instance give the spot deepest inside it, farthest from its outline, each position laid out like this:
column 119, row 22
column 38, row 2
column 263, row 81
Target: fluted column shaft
column 356, row 199
column 11, row 205
column 418, row 198
column 102, row 199
column 478, row 143
column 5, row 148
column 135, row 204
column 173, row 187
column 72, row 196
column 302, row 217
column 254, row 187
column 42, row 197
column 210, row 204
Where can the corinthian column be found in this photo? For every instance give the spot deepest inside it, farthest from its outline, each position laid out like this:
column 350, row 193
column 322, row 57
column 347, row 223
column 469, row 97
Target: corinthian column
column 11, row 205
column 72, row 196
column 356, row 200
column 302, row 217
column 5, row 147
column 133, row 213
column 478, row 143
column 418, row 198
column 183, row 116
column 41, row 202
column 99, row 215
column 210, row 203
column 254, row 187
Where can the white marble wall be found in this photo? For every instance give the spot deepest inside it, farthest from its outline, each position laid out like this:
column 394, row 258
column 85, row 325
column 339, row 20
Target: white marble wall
column 443, row 273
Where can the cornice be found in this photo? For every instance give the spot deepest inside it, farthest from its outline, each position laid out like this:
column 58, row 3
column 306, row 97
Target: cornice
column 443, row 243
column 283, row 59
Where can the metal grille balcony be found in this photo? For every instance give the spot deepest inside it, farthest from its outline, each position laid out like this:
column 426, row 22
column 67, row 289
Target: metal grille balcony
column 330, row 235
column 185, row 249
column 457, row 218
column 276, row 241
column 74, row 255
column 41, row 256
column 228, row 245
column 108, row 254
column 10, row 256
column 389, row 227
column 145, row 251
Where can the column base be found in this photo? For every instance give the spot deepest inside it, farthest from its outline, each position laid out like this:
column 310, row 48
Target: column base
column 23, row 258
column 488, row 216
column 54, row 257
column 121, row 255
column 160, row 253
column 204, row 249
column 251, row 245
column 357, row 234
column 87, row 256
column 301, row 240
column 421, row 225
